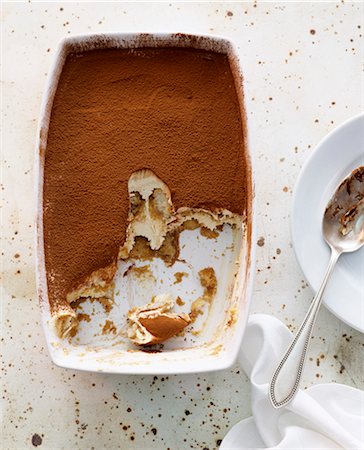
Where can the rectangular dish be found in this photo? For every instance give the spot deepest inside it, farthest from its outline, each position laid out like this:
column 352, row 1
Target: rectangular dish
column 218, row 333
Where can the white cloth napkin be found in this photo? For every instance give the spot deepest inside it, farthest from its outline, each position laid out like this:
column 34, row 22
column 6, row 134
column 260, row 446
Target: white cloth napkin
column 325, row 416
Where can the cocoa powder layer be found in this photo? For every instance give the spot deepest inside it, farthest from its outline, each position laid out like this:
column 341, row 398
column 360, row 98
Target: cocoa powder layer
column 174, row 111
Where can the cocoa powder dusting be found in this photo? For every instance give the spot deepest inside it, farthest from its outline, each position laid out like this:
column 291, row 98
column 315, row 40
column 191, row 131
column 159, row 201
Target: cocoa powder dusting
column 174, row 111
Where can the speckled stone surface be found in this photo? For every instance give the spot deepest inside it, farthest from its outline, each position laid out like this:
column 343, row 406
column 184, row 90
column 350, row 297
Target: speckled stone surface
column 302, row 64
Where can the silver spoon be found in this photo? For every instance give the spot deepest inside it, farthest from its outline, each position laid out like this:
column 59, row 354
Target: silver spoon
column 343, row 231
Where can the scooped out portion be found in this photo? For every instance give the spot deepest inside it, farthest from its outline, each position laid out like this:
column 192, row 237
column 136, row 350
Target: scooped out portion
column 98, row 285
column 153, row 218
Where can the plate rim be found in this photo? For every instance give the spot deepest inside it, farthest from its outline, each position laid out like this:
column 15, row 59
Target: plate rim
column 302, row 174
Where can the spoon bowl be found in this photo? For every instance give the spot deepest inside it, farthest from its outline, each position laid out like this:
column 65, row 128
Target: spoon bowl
column 343, row 221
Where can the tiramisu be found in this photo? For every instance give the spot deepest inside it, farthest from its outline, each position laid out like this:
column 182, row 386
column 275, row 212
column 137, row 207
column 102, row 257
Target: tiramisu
column 142, row 144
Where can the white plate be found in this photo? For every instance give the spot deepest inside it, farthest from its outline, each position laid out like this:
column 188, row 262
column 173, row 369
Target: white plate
column 334, row 158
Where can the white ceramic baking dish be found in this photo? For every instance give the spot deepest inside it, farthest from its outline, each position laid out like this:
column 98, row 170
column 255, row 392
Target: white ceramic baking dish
column 231, row 255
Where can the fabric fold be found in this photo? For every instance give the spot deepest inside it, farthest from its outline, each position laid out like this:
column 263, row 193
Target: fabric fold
column 325, row 416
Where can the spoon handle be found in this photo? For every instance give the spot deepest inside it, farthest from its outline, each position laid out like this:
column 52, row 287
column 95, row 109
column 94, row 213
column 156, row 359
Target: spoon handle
column 287, row 376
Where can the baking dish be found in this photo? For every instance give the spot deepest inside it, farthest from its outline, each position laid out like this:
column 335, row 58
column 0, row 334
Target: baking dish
column 216, row 344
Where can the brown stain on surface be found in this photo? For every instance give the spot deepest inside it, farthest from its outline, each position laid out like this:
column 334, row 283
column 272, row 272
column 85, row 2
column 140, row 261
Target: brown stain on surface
column 106, row 303
column 109, row 327
column 84, row 317
column 178, row 276
column 208, row 281
column 179, row 301
column 261, row 241
column 209, row 234
column 142, row 271
column 36, row 440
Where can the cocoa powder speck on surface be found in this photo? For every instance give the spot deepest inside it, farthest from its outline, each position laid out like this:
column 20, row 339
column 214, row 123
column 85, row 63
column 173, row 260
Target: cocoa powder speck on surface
column 174, row 111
